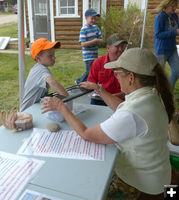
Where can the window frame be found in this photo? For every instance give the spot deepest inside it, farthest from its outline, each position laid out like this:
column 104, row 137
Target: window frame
column 98, row 10
column 66, row 15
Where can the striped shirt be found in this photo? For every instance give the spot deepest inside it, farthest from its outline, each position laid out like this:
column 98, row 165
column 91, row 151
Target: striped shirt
column 88, row 33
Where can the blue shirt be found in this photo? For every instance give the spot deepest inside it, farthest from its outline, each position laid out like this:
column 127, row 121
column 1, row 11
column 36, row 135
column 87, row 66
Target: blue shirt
column 88, row 33
column 165, row 29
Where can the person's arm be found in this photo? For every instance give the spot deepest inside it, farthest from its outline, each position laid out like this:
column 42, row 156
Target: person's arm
column 159, row 28
column 91, row 42
column 122, row 125
column 111, row 100
column 120, row 95
column 93, row 134
column 56, row 86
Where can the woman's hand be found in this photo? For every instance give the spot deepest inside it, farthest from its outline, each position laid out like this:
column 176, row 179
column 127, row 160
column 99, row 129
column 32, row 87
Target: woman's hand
column 51, row 103
column 89, row 85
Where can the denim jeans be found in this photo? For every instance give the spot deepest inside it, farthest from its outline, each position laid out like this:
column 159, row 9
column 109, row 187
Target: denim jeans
column 84, row 77
column 173, row 61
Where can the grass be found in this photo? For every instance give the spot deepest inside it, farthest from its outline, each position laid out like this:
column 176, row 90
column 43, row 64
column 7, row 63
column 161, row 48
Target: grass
column 69, row 66
column 10, row 32
column 6, row 13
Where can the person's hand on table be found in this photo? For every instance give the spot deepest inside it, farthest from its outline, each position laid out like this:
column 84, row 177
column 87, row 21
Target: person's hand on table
column 89, row 85
column 51, row 103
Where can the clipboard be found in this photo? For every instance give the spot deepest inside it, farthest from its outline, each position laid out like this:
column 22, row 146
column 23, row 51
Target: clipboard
column 74, row 91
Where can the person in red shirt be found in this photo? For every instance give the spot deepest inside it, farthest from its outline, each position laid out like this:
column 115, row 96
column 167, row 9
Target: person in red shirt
column 98, row 74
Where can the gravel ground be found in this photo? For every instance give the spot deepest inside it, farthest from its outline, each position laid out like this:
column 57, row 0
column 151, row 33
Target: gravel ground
column 6, row 19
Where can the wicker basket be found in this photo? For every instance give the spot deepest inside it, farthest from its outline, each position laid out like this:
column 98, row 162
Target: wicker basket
column 24, row 121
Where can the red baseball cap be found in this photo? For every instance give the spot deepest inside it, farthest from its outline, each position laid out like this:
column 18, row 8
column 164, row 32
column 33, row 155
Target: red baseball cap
column 43, row 44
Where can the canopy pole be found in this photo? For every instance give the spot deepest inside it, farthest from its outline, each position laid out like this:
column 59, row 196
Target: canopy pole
column 143, row 29
column 21, row 48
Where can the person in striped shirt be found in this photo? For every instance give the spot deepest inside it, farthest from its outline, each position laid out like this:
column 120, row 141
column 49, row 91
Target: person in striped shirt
column 90, row 38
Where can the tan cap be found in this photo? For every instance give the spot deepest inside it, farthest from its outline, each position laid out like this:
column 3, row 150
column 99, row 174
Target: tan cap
column 115, row 40
column 140, row 61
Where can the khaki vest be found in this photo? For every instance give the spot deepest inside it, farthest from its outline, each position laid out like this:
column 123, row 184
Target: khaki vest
column 144, row 161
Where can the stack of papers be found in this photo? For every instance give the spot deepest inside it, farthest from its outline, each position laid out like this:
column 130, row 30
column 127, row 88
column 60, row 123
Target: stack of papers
column 15, row 173
column 62, row 144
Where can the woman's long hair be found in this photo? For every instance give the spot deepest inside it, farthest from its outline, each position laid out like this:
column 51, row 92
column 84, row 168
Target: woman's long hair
column 165, row 3
column 163, row 86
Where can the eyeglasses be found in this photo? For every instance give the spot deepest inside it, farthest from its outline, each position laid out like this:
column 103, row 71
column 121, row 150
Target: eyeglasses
column 119, row 71
column 116, row 72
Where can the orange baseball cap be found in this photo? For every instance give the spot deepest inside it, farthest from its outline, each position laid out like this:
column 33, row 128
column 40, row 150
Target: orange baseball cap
column 43, row 44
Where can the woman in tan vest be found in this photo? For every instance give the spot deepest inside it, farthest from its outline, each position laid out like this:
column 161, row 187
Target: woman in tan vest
column 139, row 125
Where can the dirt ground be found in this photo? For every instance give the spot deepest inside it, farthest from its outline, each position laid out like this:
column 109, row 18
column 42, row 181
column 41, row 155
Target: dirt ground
column 6, row 19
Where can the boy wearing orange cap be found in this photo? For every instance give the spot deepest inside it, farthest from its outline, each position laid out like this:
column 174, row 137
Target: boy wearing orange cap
column 40, row 79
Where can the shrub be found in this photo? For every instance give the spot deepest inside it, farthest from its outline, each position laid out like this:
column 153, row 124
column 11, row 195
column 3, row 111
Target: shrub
column 122, row 22
column 10, row 9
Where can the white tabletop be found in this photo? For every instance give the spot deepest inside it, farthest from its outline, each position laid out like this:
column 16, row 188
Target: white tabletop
column 66, row 178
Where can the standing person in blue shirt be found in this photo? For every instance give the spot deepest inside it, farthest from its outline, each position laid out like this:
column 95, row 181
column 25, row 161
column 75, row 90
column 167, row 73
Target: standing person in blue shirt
column 90, row 38
column 166, row 29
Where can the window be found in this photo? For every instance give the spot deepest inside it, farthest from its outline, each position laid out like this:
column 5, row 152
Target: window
column 67, row 8
column 40, row 7
column 95, row 4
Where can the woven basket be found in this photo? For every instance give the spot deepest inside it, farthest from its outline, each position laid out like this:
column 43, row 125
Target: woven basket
column 24, row 121
column 173, row 132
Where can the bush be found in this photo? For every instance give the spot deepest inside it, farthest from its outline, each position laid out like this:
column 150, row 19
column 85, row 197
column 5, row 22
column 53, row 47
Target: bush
column 10, row 9
column 122, row 22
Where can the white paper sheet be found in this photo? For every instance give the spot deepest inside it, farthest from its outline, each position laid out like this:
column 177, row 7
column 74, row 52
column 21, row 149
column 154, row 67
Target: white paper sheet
column 15, row 172
column 33, row 195
column 62, row 144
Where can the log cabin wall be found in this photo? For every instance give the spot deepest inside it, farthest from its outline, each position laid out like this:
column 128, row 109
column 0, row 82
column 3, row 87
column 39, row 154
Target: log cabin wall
column 152, row 4
column 67, row 29
column 117, row 3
